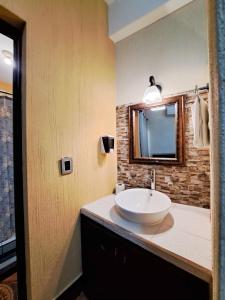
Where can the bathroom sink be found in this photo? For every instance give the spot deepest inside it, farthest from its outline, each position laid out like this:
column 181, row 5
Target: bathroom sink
column 143, row 205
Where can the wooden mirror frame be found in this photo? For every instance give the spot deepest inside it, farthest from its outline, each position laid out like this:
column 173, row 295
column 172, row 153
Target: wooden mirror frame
column 179, row 160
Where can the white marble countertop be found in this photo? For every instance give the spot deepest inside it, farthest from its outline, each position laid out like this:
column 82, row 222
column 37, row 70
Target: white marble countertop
column 183, row 238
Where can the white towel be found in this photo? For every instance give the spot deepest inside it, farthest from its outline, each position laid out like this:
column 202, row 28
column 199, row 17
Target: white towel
column 200, row 120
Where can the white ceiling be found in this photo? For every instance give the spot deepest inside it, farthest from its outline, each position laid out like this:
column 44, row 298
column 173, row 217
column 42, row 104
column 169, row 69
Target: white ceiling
column 129, row 16
column 6, row 71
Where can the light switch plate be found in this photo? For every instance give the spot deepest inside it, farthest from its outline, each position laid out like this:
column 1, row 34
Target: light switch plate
column 66, row 165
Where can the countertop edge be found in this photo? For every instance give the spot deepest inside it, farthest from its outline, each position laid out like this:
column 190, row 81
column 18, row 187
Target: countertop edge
column 179, row 261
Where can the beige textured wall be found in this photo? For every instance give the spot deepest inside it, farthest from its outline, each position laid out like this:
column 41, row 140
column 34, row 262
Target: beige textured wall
column 70, row 103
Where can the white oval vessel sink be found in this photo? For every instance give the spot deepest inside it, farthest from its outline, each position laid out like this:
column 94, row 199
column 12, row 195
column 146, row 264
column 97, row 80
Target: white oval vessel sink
column 143, row 205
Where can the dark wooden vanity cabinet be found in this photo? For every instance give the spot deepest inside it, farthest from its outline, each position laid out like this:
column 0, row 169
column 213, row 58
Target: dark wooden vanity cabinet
column 117, row 269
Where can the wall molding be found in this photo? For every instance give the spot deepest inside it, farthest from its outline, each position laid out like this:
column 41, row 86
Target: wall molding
column 148, row 19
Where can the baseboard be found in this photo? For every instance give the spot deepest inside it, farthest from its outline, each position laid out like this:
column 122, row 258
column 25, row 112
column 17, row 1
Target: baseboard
column 72, row 290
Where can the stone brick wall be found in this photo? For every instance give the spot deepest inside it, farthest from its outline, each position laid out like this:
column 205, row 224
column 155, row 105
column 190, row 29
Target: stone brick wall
column 189, row 184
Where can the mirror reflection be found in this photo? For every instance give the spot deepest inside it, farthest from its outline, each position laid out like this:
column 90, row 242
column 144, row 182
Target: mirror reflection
column 155, row 132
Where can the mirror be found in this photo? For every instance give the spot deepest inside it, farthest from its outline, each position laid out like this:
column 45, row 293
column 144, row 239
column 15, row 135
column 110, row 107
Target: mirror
column 157, row 132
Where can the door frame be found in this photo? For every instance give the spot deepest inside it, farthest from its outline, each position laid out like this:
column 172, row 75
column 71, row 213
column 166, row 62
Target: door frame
column 16, row 35
column 216, row 29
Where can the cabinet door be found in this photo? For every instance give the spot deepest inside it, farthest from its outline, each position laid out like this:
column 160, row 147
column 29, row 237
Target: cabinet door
column 101, row 261
column 152, row 278
column 117, row 269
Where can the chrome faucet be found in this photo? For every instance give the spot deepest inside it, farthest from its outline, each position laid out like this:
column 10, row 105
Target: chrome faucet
column 152, row 179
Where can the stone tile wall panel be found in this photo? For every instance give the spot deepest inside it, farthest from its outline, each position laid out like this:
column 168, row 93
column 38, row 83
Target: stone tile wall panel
column 189, row 184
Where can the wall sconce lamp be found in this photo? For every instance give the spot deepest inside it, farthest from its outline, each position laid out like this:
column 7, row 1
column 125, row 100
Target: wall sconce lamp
column 153, row 92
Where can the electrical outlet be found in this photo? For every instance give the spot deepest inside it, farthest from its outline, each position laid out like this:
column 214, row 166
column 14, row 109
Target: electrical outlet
column 168, row 180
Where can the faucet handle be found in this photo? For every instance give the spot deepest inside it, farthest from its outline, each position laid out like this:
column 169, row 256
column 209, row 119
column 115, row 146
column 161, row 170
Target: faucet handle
column 152, row 173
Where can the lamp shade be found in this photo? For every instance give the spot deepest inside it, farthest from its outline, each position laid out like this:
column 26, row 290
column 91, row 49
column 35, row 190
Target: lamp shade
column 152, row 94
